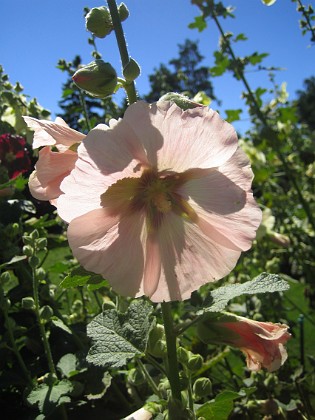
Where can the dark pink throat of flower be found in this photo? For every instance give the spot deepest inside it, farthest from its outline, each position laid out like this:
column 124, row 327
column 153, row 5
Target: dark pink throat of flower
column 154, row 193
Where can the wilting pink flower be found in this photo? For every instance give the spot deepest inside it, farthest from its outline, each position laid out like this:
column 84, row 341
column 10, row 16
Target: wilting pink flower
column 14, row 155
column 52, row 166
column 160, row 202
column 261, row 342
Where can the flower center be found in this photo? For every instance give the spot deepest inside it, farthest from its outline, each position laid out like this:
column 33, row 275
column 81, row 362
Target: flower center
column 153, row 193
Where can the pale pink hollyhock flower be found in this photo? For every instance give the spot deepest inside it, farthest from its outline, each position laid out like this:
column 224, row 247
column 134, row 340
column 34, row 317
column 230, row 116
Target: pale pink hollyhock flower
column 160, row 202
column 52, row 166
column 141, row 414
column 261, row 342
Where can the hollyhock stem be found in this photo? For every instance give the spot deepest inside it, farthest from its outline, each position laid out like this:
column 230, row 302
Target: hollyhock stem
column 14, row 347
column 273, row 135
column 148, row 378
column 41, row 325
column 173, row 373
column 122, row 45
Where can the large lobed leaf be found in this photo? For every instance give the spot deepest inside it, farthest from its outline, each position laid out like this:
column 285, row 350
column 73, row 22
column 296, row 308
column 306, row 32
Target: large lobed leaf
column 118, row 337
column 264, row 283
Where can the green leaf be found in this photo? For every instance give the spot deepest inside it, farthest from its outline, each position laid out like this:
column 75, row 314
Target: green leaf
column 261, row 284
column 118, row 337
column 49, row 397
column 240, row 37
column 13, row 260
column 100, row 386
column 257, row 58
column 60, row 324
column 220, row 408
column 221, row 64
column 233, row 114
column 68, row 364
column 80, row 277
column 199, row 24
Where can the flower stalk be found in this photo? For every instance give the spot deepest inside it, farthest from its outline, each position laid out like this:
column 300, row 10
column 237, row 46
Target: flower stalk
column 41, row 326
column 122, row 46
column 272, row 134
column 14, row 347
column 172, row 368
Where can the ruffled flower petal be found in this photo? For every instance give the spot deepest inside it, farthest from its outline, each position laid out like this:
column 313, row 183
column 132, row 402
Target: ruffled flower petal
column 224, row 203
column 189, row 259
column 178, row 140
column 48, row 133
column 111, row 246
column 51, row 168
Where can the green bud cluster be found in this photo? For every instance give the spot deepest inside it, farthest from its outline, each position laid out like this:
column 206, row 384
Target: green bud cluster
column 28, row 303
column 135, row 377
column 46, row 313
column 157, row 343
column 99, row 21
column 202, row 388
column 192, row 362
column 33, row 243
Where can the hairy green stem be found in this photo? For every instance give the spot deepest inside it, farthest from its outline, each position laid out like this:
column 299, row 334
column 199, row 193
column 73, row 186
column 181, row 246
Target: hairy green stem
column 274, row 137
column 84, row 110
column 14, row 347
column 41, row 326
column 190, row 394
column 155, row 364
column 148, row 377
column 122, row 46
column 170, row 334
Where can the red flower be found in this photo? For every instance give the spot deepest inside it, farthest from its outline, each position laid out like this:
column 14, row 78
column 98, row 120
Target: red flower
column 14, row 155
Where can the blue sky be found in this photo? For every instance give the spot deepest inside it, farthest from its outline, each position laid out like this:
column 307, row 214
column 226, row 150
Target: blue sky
column 35, row 34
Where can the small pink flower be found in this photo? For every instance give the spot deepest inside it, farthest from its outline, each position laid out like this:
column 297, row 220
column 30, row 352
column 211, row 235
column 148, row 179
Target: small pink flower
column 261, row 342
column 160, row 202
column 52, row 166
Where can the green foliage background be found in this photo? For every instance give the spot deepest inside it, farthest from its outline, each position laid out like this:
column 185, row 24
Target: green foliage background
column 58, row 358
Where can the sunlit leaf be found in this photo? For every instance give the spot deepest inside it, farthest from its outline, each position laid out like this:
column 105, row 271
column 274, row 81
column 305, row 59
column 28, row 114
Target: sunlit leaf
column 264, row 283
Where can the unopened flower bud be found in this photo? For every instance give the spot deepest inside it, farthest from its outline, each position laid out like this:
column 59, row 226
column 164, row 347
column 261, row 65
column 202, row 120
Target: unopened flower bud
column 40, row 273
column 182, row 355
column 202, row 388
column 5, row 277
column 34, row 234
column 97, row 78
column 99, row 21
column 183, row 380
column 28, row 303
column 123, row 12
column 108, row 304
column 135, row 377
column 131, row 70
column 156, row 343
column 180, row 100
column 41, row 243
column 46, row 313
column 33, row 261
column 27, row 250
column 28, row 240
column 195, row 362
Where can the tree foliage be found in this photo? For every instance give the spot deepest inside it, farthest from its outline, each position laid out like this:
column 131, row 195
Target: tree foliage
column 184, row 74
